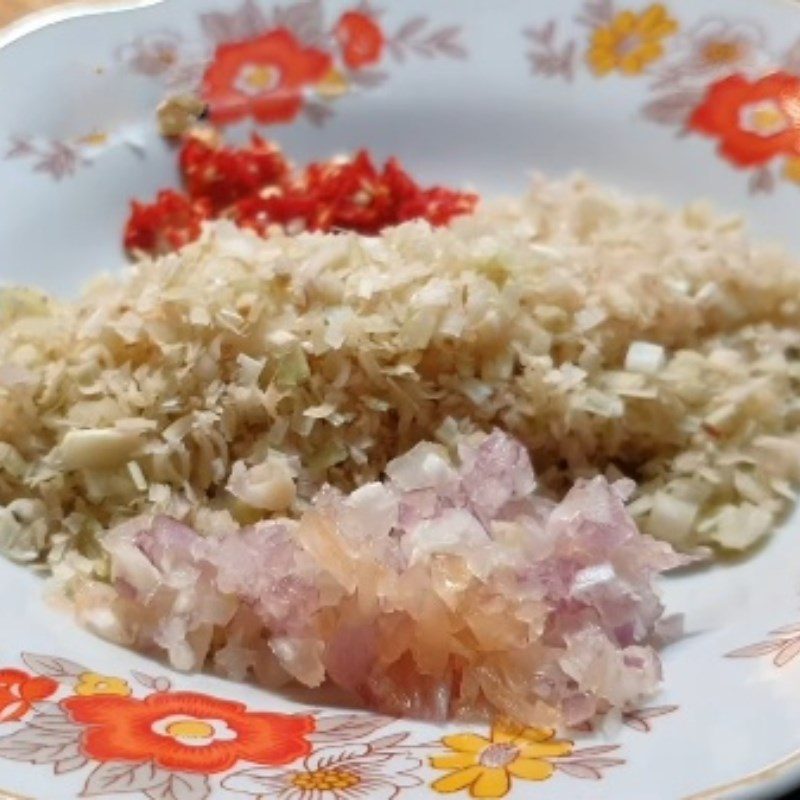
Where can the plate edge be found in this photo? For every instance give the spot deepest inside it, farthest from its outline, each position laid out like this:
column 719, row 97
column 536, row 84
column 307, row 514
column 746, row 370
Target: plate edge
column 73, row 9
column 779, row 775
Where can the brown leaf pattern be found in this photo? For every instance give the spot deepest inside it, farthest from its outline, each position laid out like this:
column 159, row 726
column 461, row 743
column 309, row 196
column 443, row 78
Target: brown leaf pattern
column 791, row 60
column 673, row 107
column 317, row 113
column 546, row 56
column 390, row 742
column 596, row 13
column 588, row 763
column 639, row 719
column 306, row 20
column 762, row 181
column 56, row 159
column 59, row 160
column 181, row 786
column 42, row 745
column 416, row 37
column 120, row 777
column 157, row 684
column 783, row 646
column 787, row 653
column 367, row 78
column 19, row 147
column 344, row 727
column 786, row 630
column 244, row 22
column 59, row 669
column 151, row 55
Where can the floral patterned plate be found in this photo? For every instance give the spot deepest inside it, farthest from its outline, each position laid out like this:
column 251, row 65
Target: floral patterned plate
column 681, row 99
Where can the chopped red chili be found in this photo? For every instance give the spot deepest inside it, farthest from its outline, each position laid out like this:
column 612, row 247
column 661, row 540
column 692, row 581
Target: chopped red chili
column 255, row 187
column 167, row 224
column 223, row 175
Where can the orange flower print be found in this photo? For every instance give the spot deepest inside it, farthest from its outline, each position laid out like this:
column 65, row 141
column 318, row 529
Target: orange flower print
column 262, row 77
column 187, row 731
column 19, row 691
column 360, row 38
column 755, row 121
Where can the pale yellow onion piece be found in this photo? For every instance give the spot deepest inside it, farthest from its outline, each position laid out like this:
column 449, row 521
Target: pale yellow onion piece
column 269, row 486
column 739, row 527
column 671, row 519
column 96, row 448
column 645, row 357
column 23, row 529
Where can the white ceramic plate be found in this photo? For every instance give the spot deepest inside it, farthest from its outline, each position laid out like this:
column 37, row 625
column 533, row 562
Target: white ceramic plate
column 463, row 91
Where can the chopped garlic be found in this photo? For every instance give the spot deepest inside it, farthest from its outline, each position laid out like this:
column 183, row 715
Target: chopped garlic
column 268, row 486
column 98, row 448
column 645, row 357
column 137, row 476
column 596, row 328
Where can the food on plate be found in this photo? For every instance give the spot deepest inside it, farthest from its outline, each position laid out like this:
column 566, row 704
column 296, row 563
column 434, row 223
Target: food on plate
column 257, row 188
column 451, row 587
column 218, row 452
column 608, row 334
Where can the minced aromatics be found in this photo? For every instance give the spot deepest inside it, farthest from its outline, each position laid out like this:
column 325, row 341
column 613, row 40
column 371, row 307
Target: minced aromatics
column 450, row 588
column 231, row 381
column 257, row 188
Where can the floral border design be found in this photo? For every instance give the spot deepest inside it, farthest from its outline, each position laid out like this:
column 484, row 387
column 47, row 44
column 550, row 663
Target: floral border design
column 489, row 766
column 640, row 719
column 143, row 737
column 271, row 67
column 294, row 60
column 783, row 645
column 637, row 719
column 59, row 159
column 718, row 78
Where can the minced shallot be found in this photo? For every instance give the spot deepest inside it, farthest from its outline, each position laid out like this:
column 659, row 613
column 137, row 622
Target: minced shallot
column 452, row 587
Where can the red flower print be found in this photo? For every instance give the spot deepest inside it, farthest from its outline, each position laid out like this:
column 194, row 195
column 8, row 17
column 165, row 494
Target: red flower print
column 187, row 731
column 19, row 691
column 755, row 121
column 361, row 39
column 263, row 77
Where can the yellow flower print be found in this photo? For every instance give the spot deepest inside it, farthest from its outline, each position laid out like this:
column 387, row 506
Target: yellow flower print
column 630, row 41
column 791, row 170
column 487, row 766
column 333, row 85
column 90, row 683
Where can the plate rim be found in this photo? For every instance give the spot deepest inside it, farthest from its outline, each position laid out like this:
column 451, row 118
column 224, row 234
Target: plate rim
column 781, row 775
column 36, row 21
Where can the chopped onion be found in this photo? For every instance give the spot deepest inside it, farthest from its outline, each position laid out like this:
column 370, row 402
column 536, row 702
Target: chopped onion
column 451, row 573
column 645, row 357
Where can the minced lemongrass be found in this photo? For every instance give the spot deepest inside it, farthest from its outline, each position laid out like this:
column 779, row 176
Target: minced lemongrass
column 599, row 330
